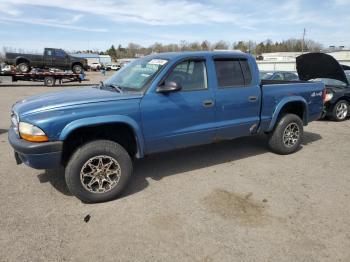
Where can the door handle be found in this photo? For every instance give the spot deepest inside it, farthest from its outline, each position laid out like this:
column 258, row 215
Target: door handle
column 208, row 103
column 252, row 98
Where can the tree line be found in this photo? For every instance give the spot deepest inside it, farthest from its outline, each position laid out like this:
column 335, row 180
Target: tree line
column 268, row 46
column 256, row 48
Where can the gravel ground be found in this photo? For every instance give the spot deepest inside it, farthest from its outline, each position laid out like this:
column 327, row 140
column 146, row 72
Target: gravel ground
column 232, row 201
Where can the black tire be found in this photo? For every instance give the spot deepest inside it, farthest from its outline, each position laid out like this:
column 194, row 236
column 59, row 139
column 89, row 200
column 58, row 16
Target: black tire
column 23, row 67
column 77, row 69
column 283, row 142
column 340, row 111
column 49, row 81
column 96, row 149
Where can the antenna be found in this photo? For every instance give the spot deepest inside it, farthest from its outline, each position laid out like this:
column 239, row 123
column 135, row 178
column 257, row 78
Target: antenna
column 303, row 42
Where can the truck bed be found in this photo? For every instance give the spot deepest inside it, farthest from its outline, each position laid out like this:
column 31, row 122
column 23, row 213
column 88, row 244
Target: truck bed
column 276, row 91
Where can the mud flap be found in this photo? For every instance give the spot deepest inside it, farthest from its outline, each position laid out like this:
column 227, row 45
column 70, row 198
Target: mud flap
column 18, row 160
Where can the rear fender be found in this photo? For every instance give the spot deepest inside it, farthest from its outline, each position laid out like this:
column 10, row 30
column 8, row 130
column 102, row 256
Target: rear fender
column 90, row 121
column 284, row 102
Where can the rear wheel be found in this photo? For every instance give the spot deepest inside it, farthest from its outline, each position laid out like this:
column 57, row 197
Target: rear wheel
column 287, row 135
column 23, row 67
column 98, row 171
column 340, row 111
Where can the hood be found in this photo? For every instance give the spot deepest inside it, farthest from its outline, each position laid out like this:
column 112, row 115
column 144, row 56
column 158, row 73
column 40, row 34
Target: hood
column 319, row 65
column 68, row 98
column 345, row 67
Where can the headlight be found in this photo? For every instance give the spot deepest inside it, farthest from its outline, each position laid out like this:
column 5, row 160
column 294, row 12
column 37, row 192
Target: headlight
column 31, row 133
column 15, row 121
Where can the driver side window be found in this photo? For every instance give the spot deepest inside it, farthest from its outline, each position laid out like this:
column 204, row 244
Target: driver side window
column 190, row 75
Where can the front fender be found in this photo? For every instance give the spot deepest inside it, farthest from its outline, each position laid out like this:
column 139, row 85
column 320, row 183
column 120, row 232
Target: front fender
column 280, row 106
column 84, row 122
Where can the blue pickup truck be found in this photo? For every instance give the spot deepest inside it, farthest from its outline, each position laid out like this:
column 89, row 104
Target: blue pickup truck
column 157, row 103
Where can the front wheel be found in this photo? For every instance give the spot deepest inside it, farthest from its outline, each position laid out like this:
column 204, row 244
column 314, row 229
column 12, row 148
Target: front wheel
column 98, row 171
column 286, row 137
column 340, row 111
column 77, row 69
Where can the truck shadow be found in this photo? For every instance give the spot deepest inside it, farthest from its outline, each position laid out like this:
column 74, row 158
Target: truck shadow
column 3, row 131
column 162, row 165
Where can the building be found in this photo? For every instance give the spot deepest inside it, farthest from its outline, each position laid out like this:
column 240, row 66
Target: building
column 105, row 59
column 95, row 58
column 285, row 61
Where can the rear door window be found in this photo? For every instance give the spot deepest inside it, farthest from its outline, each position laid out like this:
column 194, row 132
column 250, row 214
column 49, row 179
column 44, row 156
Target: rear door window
column 232, row 72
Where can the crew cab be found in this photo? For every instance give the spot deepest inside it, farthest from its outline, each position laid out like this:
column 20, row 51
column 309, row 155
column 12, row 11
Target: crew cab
column 326, row 69
column 157, row 103
column 51, row 58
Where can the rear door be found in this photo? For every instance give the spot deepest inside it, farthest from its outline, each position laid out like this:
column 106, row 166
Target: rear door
column 183, row 118
column 237, row 98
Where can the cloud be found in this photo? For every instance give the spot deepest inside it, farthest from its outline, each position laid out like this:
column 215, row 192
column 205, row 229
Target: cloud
column 11, row 12
column 51, row 23
column 8, row 9
column 151, row 12
column 342, row 2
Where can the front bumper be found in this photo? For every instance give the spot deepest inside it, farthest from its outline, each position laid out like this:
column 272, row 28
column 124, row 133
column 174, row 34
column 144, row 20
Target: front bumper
column 46, row 155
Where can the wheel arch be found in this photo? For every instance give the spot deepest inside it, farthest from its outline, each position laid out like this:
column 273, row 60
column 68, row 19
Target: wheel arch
column 76, row 63
column 21, row 59
column 112, row 122
column 346, row 98
column 295, row 105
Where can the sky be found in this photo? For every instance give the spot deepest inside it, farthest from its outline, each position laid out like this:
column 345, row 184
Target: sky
column 87, row 24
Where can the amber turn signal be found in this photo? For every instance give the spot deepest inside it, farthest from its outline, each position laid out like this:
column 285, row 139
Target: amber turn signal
column 34, row 138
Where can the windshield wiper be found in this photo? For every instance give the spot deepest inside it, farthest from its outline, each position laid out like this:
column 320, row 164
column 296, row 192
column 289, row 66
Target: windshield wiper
column 116, row 87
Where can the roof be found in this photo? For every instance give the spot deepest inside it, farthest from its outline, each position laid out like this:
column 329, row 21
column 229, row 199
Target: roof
column 179, row 55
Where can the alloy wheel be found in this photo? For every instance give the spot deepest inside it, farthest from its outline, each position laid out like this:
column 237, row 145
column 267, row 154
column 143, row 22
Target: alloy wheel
column 291, row 135
column 100, row 174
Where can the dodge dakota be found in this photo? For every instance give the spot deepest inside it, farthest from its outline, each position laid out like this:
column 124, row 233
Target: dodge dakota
column 157, row 103
column 51, row 58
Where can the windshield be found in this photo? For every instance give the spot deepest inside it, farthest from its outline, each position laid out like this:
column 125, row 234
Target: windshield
column 135, row 75
column 329, row 81
column 347, row 73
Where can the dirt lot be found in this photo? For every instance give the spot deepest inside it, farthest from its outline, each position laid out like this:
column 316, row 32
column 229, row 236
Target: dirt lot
column 232, row 201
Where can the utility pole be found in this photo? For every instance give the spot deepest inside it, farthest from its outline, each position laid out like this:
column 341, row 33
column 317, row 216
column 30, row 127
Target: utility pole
column 303, row 42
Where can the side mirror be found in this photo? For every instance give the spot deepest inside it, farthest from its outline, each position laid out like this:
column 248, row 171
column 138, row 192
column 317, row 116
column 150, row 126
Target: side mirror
column 169, row 87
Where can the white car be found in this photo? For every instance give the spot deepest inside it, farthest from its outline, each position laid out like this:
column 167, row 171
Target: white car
column 95, row 66
column 115, row 67
column 5, row 68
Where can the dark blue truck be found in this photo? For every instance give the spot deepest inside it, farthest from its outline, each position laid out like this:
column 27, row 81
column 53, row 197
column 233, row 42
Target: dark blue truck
column 157, row 103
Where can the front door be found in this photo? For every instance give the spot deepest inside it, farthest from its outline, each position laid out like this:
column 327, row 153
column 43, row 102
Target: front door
column 182, row 118
column 60, row 59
